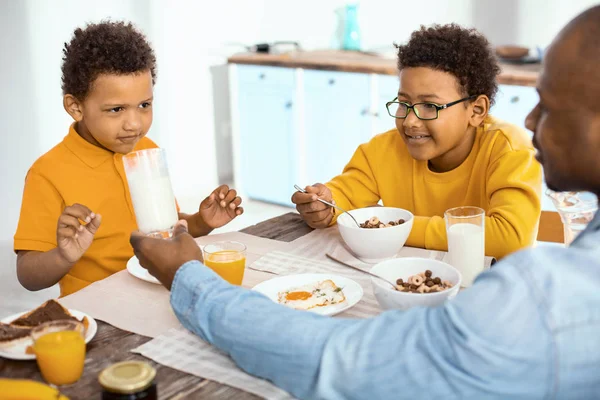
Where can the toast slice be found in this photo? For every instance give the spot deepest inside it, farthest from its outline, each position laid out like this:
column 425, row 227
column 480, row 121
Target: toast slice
column 13, row 335
column 49, row 311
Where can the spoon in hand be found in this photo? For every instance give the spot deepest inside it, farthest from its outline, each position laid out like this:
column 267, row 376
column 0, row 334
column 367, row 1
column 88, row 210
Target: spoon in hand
column 298, row 188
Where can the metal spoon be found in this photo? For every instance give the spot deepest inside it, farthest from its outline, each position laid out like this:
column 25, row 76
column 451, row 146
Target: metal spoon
column 361, row 270
column 298, row 188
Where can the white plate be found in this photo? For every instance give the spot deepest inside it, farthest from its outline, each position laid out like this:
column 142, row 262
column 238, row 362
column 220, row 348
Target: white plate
column 352, row 290
column 18, row 352
column 135, row 269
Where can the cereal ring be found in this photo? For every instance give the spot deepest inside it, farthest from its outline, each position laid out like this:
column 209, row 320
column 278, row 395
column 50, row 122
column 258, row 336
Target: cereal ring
column 434, row 288
column 417, row 280
column 374, row 221
column 426, row 289
column 422, row 275
column 447, row 284
column 421, row 289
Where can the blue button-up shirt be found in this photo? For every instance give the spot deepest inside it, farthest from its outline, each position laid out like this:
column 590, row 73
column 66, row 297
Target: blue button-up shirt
column 527, row 328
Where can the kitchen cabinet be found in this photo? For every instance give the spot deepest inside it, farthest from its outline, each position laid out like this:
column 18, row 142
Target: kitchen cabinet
column 266, row 131
column 387, row 90
column 513, row 103
column 337, row 119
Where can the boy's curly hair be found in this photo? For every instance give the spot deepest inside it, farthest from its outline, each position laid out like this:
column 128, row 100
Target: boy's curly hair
column 465, row 53
column 104, row 48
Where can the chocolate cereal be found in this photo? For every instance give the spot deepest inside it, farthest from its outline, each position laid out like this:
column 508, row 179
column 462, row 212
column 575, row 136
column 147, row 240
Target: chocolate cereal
column 423, row 282
column 374, row 223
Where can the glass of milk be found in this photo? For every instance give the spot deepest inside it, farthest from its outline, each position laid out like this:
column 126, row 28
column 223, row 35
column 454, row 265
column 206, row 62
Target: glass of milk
column 151, row 191
column 465, row 227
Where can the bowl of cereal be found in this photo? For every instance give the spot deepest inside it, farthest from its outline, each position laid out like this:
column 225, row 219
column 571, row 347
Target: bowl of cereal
column 419, row 282
column 382, row 234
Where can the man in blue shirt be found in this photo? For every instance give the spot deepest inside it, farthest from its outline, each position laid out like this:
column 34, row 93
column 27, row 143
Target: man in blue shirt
column 527, row 328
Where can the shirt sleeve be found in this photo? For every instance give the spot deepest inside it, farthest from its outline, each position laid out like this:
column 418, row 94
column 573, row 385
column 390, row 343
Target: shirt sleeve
column 356, row 187
column 474, row 346
column 41, row 207
column 513, row 190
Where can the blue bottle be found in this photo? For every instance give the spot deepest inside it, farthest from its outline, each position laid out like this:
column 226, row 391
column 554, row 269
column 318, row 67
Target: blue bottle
column 351, row 29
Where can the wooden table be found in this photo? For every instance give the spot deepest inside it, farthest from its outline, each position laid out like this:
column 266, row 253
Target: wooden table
column 112, row 345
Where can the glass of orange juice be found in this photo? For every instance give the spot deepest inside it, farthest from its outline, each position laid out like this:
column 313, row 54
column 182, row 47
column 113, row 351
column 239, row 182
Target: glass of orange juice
column 59, row 347
column 228, row 259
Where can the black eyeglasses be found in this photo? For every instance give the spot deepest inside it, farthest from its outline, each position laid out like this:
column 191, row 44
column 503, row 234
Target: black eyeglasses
column 423, row 111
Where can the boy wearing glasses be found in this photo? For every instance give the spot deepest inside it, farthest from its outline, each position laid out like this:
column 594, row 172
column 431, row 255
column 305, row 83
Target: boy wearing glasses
column 446, row 151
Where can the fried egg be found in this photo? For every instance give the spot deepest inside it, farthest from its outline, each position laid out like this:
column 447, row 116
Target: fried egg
column 317, row 294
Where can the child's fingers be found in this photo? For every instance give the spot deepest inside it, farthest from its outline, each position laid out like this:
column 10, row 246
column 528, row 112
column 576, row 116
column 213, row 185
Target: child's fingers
column 235, row 203
column 66, row 232
column 303, row 198
column 321, row 189
column 239, row 211
column 221, row 191
column 231, row 195
column 94, row 224
column 318, row 217
column 315, row 206
column 79, row 211
column 69, row 221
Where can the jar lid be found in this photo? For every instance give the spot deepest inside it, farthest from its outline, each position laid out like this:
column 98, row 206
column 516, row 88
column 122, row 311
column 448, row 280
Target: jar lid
column 127, row 377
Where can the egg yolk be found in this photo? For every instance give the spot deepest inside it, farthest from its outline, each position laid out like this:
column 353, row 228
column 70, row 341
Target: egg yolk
column 298, row 296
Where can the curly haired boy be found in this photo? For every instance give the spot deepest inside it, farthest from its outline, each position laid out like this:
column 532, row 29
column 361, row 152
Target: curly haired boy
column 445, row 152
column 76, row 215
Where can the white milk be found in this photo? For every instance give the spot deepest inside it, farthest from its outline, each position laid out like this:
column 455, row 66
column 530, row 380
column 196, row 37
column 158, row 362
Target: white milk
column 153, row 202
column 466, row 248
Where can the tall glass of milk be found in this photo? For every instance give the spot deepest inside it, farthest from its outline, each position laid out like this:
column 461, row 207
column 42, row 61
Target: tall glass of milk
column 151, row 191
column 465, row 227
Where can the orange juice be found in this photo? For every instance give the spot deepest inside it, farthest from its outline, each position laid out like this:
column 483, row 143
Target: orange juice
column 229, row 264
column 60, row 356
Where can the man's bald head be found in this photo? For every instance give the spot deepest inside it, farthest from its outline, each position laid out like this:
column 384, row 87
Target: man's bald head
column 573, row 60
column 566, row 122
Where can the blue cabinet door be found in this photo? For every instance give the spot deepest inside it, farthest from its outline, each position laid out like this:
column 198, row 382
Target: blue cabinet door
column 513, row 103
column 337, row 120
column 387, row 90
column 267, row 133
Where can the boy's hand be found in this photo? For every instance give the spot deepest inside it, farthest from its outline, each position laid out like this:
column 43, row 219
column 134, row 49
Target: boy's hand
column 222, row 206
column 73, row 237
column 163, row 257
column 316, row 214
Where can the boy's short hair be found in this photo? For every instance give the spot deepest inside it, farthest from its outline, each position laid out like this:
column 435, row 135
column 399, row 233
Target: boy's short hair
column 465, row 53
column 104, row 48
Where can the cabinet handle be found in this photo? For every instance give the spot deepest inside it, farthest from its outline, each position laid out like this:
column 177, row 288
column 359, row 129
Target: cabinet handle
column 514, row 99
column 288, row 105
column 262, row 76
column 367, row 111
column 332, row 81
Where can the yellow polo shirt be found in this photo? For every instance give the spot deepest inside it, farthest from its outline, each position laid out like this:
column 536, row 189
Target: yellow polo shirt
column 500, row 175
column 76, row 171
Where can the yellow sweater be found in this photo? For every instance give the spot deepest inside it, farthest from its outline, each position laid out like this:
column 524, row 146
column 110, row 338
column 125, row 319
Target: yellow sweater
column 500, row 175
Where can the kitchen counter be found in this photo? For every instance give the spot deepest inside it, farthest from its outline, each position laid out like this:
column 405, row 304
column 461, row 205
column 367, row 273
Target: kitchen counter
column 331, row 60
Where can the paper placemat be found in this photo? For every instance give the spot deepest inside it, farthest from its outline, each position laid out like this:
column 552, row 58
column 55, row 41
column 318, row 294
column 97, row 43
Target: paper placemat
column 186, row 352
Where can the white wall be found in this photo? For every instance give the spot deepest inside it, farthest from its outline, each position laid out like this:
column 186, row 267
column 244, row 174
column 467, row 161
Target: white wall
column 190, row 37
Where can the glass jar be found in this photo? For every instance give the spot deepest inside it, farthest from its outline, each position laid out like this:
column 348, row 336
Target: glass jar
column 128, row 380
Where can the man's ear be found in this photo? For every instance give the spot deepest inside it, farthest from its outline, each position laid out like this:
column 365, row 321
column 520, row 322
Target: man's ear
column 480, row 107
column 73, row 107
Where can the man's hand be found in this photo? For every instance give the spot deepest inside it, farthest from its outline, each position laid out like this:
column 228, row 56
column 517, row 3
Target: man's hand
column 313, row 212
column 163, row 257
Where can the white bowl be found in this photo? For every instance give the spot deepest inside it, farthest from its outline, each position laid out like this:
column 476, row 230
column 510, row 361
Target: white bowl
column 389, row 298
column 375, row 245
